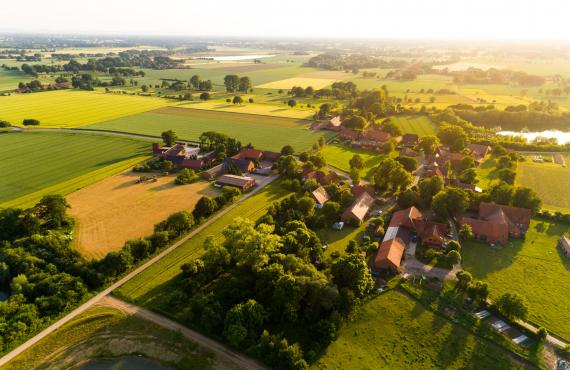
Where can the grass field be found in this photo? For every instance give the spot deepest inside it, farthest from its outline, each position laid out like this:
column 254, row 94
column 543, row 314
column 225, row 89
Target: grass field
column 532, row 267
column 338, row 156
column 393, row 331
column 249, row 108
column 269, row 133
column 316, row 83
column 420, row 125
column 38, row 163
column 549, row 180
column 147, row 287
column 103, row 224
column 71, row 108
column 104, row 331
column 9, row 79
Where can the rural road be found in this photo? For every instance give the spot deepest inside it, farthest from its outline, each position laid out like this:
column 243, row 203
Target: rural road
column 205, row 342
column 50, row 329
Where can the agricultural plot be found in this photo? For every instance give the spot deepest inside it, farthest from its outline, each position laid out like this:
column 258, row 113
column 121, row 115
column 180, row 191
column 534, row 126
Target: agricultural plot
column 38, row 163
column 269, row 133
column 549, row 180
column 532, row 267
column 316, row 83
column 9, row 79
column 71, row 108
column 251, row 108
column 393, row 331
column 338, row 156
column 148, row 287
column 103, row 223
column 420, row 125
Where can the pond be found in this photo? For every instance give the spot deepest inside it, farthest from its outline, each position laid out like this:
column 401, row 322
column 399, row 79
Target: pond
column 122, row 363
column 237, row 57
column 561, row 136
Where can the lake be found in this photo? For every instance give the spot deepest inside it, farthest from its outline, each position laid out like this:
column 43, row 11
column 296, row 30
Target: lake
column 122, row 363
column 561, row 136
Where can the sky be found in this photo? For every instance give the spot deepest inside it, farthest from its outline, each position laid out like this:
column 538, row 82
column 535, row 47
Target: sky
column 380, row 19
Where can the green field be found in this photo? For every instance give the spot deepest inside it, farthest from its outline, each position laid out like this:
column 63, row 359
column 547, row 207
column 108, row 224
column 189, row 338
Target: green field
column 147, row 287
column 72, row 108
column 549, row 180
column 264, row 132
column 338, row 156
column 37, row 163
column 532, row 267
column 420, row 125
column 393, row 331
column 9, row 79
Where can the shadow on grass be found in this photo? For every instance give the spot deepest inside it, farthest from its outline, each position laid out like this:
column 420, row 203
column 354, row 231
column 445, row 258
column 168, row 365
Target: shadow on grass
column 480, row 259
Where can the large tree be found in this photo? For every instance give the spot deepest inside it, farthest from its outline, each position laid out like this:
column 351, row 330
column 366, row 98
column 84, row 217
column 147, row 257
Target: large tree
column 429, row 188
column 450, row 202
column 169, row 137
column 352, row 272
column 512, row 305
column 453, row 136
column 231, row 82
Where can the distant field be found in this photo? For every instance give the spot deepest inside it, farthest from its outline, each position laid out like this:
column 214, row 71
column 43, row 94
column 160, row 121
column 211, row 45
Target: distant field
column 9, row 79
column 393, row 331
column 249, row 108
column 72, row 108
column 147, row 288
column 419, row 125
column 338, row 156
column 316, row 83
column 270, row 133
column 533, row 267
column 103, row 224
column 549, row 180
column 37, row 163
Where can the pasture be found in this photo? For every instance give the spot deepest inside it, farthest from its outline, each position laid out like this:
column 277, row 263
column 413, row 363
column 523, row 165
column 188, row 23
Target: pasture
column 420, row 125
column 393, row 331
column 72, row 108
column 532, row 267
column 316, row 83
column 264, row 132
column 9, row 79
column 338, row 156
column 549, row 180
column 148, row 287
column 104, row 225
column 38, row 163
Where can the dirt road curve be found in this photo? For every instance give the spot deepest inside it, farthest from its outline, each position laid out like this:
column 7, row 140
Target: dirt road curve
column 50, row 329
column 218, row 349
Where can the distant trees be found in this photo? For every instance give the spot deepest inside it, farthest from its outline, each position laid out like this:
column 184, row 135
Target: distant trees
column 244, row 84
column 169, row 137
column 30, row 122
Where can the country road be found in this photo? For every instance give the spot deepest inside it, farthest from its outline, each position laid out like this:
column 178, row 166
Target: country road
column 50, row 329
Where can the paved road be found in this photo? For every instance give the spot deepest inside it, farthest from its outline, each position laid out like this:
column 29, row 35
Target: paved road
column 218, row 349
column 50, row 329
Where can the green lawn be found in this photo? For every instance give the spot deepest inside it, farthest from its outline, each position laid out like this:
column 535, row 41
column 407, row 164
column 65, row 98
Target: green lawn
column 532, row 267
column 486, row 173
column 338, row 240
column 420, row 125
column 38, row 163
column 147, row 287
column 393, row 331
column 9, row 79
column 339, row 155
column 269, row 133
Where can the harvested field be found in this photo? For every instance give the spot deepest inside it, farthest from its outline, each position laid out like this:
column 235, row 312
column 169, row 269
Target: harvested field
column 117, row 209
column 316, row 83
column 251, row 108
column 249, row 67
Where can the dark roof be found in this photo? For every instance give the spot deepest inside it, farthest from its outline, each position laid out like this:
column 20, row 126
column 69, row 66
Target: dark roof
column 234, row 180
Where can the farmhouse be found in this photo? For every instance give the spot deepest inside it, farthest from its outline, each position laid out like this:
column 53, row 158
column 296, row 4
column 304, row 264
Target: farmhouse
column 564, row 245
column 409, row 140
column 389, row 256
column 358, row 210
column 358, row 190
column 320, row 176
column 242, row 165
column 495, row 223
column 479, row 151
column 415, row 221
column 332, row 124
column 320, row 196
column 183, row 155
column 407, row 152
column 241, row 182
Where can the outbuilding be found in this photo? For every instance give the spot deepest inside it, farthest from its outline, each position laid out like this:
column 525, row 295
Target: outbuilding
column 241, row 182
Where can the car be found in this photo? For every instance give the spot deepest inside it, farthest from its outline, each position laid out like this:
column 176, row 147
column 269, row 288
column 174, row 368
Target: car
column 378, row 212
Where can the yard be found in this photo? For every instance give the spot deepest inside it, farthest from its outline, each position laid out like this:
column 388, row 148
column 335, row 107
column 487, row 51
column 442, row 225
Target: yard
column 420, row 125
column 338, row 156
column 393, row 331
column 532, row 267
column 117, row 209
column 38, row 163
column 264, row 132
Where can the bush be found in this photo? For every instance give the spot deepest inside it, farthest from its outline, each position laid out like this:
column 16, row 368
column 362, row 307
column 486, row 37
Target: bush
column 30, row 122
column 4, row 124
column 187, row 176
column 176, row 224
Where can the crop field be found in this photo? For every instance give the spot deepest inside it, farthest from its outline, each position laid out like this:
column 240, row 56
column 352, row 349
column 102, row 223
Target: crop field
column 70, row 108
column 533, row 267
column 261, row 109
column 103, row 223
column 393, row 331
column 316, row 83
column 549, row 180
column 420, row 125
column 338, row 156
column 9, row 79
column 37, row 163
column 147, row 287
column 269, row 133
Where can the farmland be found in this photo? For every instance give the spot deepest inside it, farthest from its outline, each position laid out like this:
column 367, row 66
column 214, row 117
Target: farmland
column 338, row 156
column 103, row 224
column 269, row 133
column 316, row 83
column 392, row 331
column 70, row 108
column 260, row 109
column 420, row 125
column 532, row 267
column 37, row 163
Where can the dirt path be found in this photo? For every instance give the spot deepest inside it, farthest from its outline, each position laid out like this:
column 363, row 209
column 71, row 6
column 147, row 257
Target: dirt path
column 218, row 349
column 50, row 329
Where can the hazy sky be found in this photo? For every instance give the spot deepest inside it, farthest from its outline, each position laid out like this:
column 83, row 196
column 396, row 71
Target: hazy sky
column 477, row 19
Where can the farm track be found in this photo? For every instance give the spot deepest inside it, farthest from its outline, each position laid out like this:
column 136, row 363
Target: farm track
column 99, row 296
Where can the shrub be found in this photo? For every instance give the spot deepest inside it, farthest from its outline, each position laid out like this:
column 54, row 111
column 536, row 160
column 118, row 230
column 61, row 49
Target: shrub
column 4, row 124
column 187, row 176
column 30, row 122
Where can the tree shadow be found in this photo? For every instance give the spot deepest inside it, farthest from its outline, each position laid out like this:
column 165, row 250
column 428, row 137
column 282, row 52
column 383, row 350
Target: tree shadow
column 484, row 259
column 453, row 345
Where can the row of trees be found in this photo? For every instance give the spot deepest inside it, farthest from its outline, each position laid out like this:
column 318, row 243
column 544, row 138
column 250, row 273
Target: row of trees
column 235, row 83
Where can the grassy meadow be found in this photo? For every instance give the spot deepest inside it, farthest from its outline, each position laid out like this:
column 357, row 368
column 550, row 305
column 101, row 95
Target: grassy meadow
column 420, row 125
column 338, row 156
column 38, row 163
column 269, row 133
column 393, row 331
column 533, row 267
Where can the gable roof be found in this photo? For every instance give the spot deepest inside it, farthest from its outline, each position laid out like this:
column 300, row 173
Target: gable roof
column 409, row 139
column 516, row 215
column 389, row 254
column 360, row 207
column 406, row 217
column 479, row 151
column 234, row 180
column 357, row 190
column 250, row 153
column 320, row 195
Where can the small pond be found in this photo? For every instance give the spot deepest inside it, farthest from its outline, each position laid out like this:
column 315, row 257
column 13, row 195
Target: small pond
column 561, row 136
column 122, row 363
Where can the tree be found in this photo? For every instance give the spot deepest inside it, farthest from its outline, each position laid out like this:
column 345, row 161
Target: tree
column 390, row 174
column 387, row 147
column 428, row 144
column 453, row 136
column 205, row 96
column 243, row 323
column 450, row 202
column 507, row 175
column 429, row 188
column 287, row 150
column 478, row 291
column 244, row 84
column 354, row 123
column 144, row 88
column 512, row 305
column 465, row 232
column 237, row 100
column 526, row 198
column 355, row 176
column 331, row 211
column 195, row 82
column 231, row 82
column 186, row 176
column 325, row 110
column 410, row 164
column 204, row 208
column 356, row 162
column 287, row 165
column 391, row 128
column 464, row 279
column 453, row 257
column 501, row 193
column 51, row 209
column 352, row 272
column 292, row 103
column 169, row 137
column 176, row 224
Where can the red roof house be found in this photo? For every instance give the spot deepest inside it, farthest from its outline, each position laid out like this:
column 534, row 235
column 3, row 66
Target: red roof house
column 359, row 209
column 389, row 256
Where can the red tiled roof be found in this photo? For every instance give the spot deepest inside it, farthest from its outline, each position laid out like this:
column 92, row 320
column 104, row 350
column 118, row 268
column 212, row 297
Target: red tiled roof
column 320, row 195
column 357, row 190
column 389, row 255
column 249, row 153
column 359, row 208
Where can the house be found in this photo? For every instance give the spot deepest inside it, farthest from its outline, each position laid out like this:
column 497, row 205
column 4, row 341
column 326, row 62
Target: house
column 213, row 172
column 358, row 190
column 332, row 124
column 241, row 182
column 250, row 154
column 357, row 212
column 407, row 152
column 564, row 245
column 479, row 152
column 242, row 165
column 414, row 221
column 349, row 134
column 320, row 176
column 409, row 140
column 462, row 185
column 183, row 155
column 320, row 196
column 389, row 256
column 496, row 223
